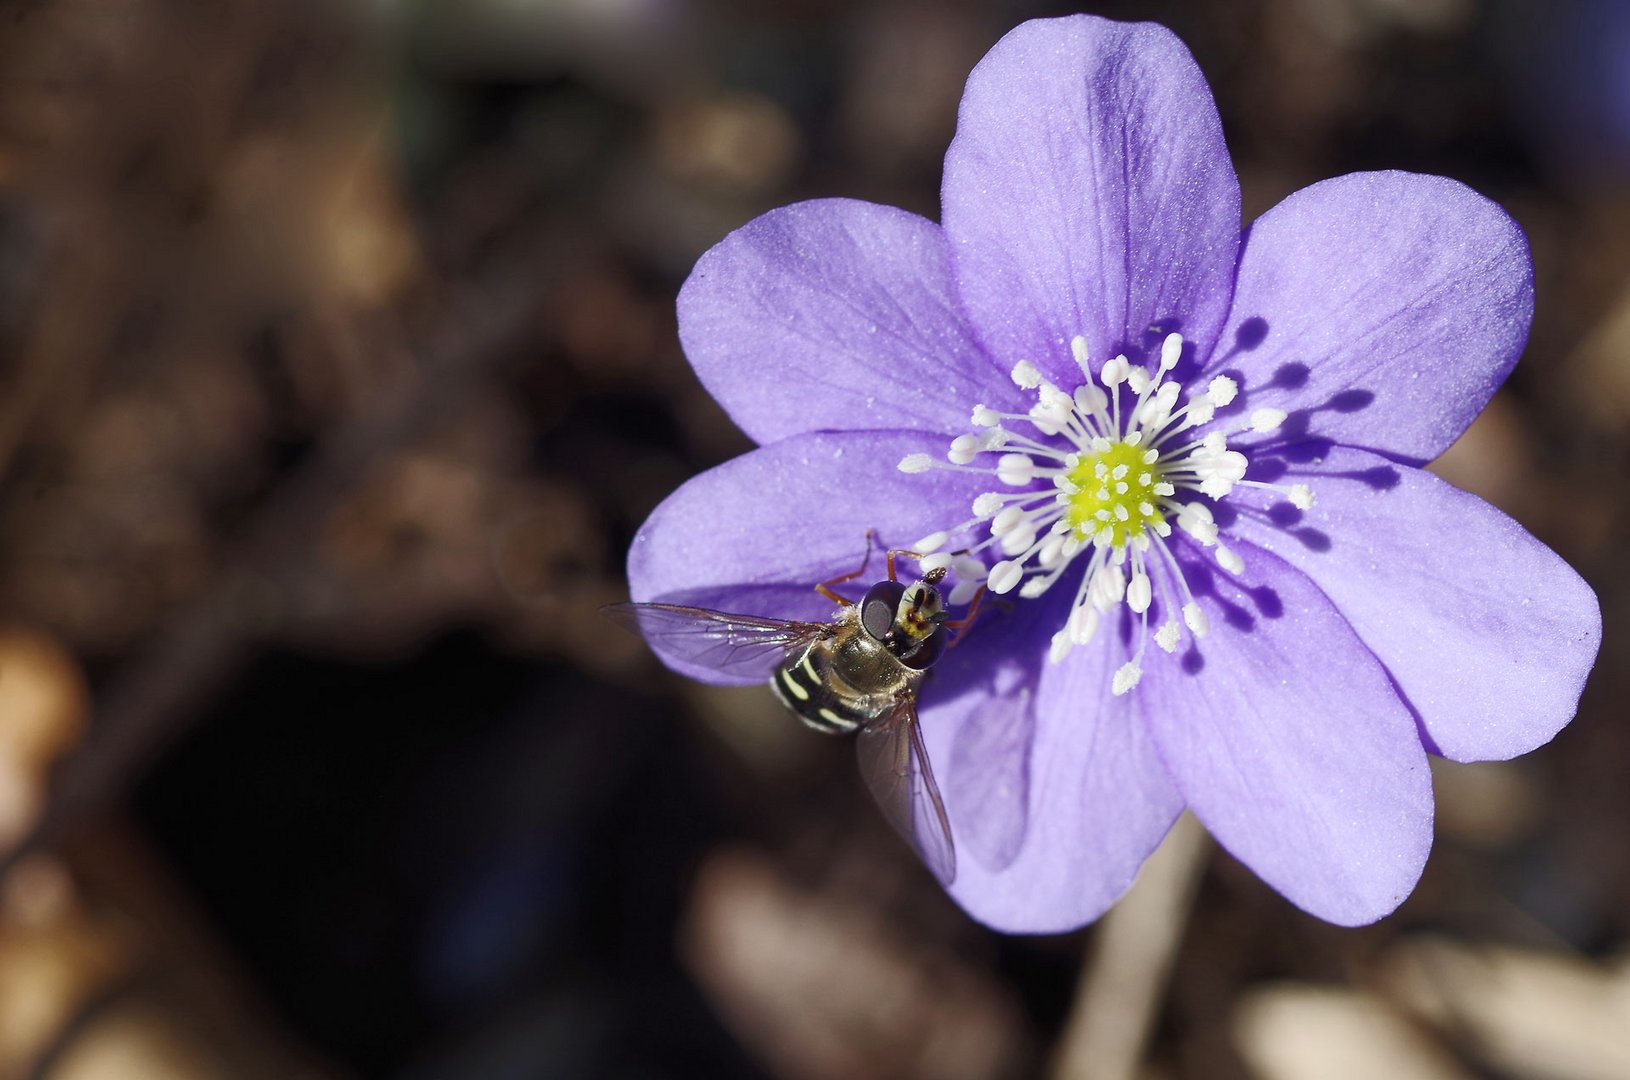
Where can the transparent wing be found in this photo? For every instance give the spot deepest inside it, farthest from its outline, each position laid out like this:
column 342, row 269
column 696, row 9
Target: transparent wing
column 895, row 766
column 738, row 644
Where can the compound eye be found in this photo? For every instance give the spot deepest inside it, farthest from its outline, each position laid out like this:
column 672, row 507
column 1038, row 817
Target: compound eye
column 878, row 609
column 927, row 653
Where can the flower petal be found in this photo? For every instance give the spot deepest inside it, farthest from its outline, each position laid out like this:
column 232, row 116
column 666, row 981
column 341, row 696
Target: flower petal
column 1089, row 191
column 754, row 535
column 1488, row 633
column 1288, row 742
column 1380, row 309
column 835, row 315
column 1098, row 799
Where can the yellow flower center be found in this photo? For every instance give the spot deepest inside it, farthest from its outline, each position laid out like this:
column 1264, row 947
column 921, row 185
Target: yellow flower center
column 1114, row 497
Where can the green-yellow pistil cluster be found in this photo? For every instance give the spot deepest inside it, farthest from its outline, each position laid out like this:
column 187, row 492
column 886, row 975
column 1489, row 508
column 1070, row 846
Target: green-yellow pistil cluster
column 1111, row 468
column 1113, row 489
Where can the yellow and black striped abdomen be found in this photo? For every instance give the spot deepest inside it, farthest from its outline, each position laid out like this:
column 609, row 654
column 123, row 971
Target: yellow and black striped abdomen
column 809, row 685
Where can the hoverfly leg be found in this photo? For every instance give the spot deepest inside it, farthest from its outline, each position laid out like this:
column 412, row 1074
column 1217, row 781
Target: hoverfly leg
column 961, row 625
column 825, row 587
column 900, row 551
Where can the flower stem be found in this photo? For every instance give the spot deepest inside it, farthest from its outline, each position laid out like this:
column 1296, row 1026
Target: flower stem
column 1124, row 981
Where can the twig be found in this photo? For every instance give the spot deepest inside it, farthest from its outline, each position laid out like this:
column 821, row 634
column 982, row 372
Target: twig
column 1124, row 982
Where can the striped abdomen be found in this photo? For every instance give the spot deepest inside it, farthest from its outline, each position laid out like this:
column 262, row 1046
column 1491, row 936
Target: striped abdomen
column 838, row 684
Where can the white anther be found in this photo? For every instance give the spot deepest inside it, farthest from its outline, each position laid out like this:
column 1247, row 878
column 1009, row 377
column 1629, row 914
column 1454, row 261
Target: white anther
column 916, row 463
column 1200, row 412
column 1003, row 576
column 1114, row 372
column 984, row 416
column 967, row 568
column 1199, row 526
column 1015, row 470
column 1301, row 496
column 1138, row 380
column 1026, row 375
column 1266, row 420
column 987, row 504
column 1158, row 410
column 1139, row 592
column 1229, row 560
column 1107, row 588
column 1006, row 521
column 1170, row 350
column 1166, row 636
column 1059, row 649
column 940, row 560
column 931, row 543
column 964, row 592
column 1019, row 540
column 1213, row 444
column 1035, row 587
column 1048, row 556
column 1082, row 625
column 1221, row 391
column 1078, row 349
column 1089, row 399
column 964, row 448
column 1195, row 619
column 1126, row 678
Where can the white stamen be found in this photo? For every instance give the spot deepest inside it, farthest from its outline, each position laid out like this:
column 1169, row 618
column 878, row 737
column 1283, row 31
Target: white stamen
column 1126, row 678
column 931, row 543
column 1139, row 592
column 964, row 448
column 1003, row 576
column 1170, row 350
column 1082, row 625
column 1266, row 420
column 1114, row 372
column 916, row 463
column 1195, row 619
column 1015, row 470
column 1026, row 375
column 1102, row 473
column 1107, row 588
column 1008, row 520
column 1059, row 649
column 988, row 504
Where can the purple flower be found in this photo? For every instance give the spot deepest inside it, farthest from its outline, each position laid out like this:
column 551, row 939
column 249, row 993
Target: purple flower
column 1186, row 457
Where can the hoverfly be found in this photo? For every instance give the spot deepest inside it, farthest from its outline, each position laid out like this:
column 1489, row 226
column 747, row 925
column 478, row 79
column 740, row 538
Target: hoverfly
column 859, row 673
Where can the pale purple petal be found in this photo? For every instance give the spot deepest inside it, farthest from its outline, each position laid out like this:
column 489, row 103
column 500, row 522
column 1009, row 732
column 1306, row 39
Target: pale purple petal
column 1488, row 633
column 754, row 535
column 1098, row 799
column 1089, row 191
column 1380, row 309
column 835, row 315
column 1289, row 743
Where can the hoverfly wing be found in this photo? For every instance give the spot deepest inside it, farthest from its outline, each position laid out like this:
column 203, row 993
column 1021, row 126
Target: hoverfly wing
column 747, row 645
column 895, row 767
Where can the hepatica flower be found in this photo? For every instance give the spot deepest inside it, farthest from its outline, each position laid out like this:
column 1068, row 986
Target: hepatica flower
column 1184, row 460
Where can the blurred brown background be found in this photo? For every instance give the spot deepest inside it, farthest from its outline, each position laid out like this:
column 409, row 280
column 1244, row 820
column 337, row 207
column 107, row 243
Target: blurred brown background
column 338, row 366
